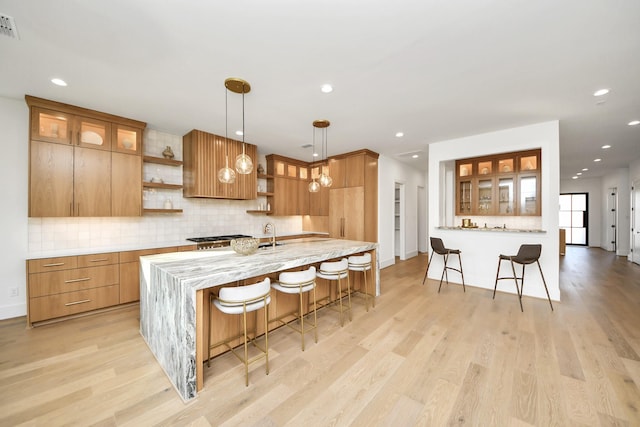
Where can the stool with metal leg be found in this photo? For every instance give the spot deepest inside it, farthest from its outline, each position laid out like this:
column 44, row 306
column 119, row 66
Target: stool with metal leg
column 299, row 282
column 243, row 300
column 438, row 247
column 338, row 271
column 363, row 263
column 527, row 254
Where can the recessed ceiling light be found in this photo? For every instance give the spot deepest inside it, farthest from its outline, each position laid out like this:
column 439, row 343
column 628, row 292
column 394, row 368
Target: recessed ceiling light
column 399, row 134
column 597, row 160
column 415, row 156
column 58, row 82
column 574, row 177
column 579, row 173
column 634, row 123
column 326, row 88
column 604, row 147
column 315, row 154
column 239, row 133
column 601, row 92
column 585, row 169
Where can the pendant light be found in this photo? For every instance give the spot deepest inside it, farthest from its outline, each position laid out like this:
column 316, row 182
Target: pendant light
column 244, row 164
column 226, row 175
column 324, row 178
column 314, row 186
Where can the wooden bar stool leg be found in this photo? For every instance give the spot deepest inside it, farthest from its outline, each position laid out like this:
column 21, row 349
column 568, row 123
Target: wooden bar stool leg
column 545, row 285
column 461, row 273
column 428, row 264
column 515, row 279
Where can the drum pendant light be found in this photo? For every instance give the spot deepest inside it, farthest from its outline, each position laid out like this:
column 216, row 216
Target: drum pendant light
column 226, row 175
column 324, row 178
column 244, row 164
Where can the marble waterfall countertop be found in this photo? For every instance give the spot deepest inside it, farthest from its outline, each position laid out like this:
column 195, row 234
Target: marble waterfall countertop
column 169, row 285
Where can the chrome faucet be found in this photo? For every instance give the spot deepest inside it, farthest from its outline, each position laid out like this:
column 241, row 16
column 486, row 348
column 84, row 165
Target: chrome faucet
column 270, row 227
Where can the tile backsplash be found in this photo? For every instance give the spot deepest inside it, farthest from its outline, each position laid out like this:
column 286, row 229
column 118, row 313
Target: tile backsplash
column 200, row 217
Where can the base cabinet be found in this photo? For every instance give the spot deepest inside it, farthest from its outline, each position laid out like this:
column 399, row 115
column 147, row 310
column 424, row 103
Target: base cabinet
column 65, row 286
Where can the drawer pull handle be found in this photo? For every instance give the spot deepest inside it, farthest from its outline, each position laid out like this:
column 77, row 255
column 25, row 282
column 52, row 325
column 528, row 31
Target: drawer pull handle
column 99, row 260
column 55, row 264
column 84, row 279
column 77, row 302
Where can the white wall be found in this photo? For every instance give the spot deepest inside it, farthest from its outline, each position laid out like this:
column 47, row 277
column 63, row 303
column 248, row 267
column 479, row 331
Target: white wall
column 596, row 206
column 14, row 140
column 391, row 171
column 481, row 248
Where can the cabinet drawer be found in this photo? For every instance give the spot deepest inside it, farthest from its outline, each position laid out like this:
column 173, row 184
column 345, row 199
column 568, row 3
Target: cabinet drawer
column 97, row 259
column 52, row 264
column 49, row 307
column 56, row 282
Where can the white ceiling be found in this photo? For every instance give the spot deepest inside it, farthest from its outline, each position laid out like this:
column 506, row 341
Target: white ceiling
column 434, row 70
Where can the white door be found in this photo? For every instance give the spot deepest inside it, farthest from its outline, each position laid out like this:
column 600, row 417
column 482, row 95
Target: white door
column 612, row 217
column 635, row 222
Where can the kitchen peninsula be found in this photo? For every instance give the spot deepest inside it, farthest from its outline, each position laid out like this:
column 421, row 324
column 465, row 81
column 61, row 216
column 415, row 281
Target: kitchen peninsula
column 174, row 291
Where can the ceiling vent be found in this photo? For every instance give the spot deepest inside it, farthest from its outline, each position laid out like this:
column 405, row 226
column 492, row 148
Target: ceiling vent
column 306, row 146
column 8, row 27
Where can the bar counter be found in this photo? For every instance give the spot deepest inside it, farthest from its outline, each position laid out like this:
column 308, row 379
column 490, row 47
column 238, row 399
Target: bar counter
column 172, row 295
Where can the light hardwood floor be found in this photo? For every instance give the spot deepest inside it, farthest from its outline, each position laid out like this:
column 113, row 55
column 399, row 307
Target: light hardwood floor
column 418, row 358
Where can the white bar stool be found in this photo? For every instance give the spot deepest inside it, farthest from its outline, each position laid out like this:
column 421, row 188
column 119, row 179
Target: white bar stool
column 242, row 300
column 337, row 271
column 298, row 282
column 363, row 263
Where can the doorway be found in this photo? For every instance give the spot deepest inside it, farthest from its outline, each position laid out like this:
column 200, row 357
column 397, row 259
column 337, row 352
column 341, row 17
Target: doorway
column 635, row 222
column 398, row 221
column 574, row 215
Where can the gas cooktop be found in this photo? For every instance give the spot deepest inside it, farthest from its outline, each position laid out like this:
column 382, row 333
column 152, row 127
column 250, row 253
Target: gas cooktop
column 216, row 238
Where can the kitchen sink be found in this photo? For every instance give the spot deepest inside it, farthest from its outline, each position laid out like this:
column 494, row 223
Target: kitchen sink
column 268, row 245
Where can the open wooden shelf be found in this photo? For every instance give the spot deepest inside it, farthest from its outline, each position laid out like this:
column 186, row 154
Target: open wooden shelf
column 161, row 210
column 162, row 185
column 162, row 161
column 257, row 211
column 260, row 193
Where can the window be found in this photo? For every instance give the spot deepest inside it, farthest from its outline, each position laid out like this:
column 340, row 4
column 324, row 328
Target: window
column 573, row 217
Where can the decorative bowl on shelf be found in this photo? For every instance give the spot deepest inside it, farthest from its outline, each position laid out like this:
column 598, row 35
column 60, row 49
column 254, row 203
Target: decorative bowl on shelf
column 245, row 245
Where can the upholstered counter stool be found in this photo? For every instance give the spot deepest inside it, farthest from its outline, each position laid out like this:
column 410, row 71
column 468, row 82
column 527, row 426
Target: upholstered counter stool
column 363, row 263
column 437, row 247
column 299, row 282
column 527, row 254
column 243, row 300
column 338, row 271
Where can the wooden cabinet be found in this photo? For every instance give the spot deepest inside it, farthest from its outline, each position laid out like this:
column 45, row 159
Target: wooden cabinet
column 504, row 184
column 76, row 162
column 204, row 155
column 289, row 187
column 346, row 213
column 70, row 285
column 64, row 286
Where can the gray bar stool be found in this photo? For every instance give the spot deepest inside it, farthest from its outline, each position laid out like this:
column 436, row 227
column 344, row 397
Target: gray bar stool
column 438, row 247
column 527, row 254
column 337, row 271
column 363, row 263
column 298, row 282
column 243, row 300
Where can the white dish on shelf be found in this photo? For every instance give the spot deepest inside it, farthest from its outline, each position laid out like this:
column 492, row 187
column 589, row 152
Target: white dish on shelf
column 90, row 137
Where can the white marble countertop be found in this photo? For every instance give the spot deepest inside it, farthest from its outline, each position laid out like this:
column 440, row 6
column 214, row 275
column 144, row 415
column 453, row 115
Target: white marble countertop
column 492, row 229
column 205, row 269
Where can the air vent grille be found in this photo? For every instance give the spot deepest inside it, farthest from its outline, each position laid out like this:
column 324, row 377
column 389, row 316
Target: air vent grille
column 8, row 27
column 306, row 146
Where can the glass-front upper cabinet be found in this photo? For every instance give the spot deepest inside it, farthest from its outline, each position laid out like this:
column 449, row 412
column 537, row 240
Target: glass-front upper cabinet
column 127, row 139
column 51, row 126
column 506, row 165
column 506, row 197
column 528, row 162
column 464, row 197
column 529, row 200
column 92, row 133
column 485, row 197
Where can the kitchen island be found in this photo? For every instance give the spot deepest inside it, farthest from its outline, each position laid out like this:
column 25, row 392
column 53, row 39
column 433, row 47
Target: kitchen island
column 174, row 291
